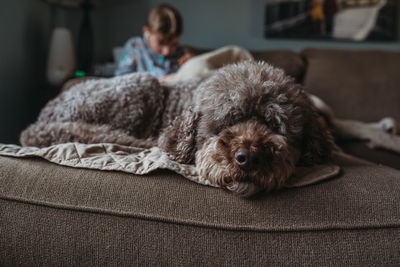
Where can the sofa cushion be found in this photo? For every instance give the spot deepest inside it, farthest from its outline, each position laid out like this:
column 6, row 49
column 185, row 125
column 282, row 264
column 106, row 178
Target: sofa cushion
column 290, row 61
column 361, row 85
column 55, row 215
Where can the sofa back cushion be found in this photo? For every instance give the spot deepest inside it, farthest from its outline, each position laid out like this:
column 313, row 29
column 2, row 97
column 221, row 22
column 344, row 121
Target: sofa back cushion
column 362, row 85
column 291, row 62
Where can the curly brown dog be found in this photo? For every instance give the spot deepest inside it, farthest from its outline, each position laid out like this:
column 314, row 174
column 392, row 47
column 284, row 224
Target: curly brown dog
column 246, row 127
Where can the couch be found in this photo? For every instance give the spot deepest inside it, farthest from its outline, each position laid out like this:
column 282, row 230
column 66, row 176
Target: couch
column 53, row 215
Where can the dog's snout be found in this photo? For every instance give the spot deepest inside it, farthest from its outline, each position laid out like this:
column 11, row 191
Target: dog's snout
column 242, row 157
column 247, row 159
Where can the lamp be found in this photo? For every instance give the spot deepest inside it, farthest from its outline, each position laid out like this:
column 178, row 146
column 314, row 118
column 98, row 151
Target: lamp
column 61, row 60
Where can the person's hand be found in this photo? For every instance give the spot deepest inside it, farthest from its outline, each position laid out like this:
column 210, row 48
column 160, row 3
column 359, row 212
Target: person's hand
column 167, row 78
column 184, row 58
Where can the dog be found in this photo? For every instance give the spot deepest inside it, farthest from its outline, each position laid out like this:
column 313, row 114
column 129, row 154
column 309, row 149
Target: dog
column 245, row 128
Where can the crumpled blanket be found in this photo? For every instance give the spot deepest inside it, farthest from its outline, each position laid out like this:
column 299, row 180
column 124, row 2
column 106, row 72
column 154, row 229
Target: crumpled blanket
column 112, row 157
column 205, row 64
column 384, row 134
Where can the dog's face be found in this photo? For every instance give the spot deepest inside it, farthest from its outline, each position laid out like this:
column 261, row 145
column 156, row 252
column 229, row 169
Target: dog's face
column 246, row 158
column 256, row 124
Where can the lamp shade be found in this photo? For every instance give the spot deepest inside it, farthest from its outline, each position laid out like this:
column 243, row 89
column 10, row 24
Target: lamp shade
column 61, row 60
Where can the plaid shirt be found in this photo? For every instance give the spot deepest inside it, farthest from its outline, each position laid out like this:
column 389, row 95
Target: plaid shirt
column 138, row 57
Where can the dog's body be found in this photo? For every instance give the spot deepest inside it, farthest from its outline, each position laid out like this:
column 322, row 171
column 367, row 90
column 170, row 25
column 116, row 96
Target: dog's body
column 246, row 127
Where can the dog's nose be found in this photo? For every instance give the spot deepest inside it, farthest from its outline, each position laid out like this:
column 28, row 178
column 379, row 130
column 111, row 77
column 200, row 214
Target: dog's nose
column 247, row 160
column 242, row 157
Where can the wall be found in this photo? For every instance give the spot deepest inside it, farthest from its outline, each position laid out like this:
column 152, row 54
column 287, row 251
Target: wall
column 208, row 23
column 23, row 31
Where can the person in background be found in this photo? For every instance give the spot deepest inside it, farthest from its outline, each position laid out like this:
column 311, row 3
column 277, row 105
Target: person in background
column 157, row 51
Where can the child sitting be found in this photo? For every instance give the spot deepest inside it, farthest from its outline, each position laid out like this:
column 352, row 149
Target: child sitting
column 157, row 52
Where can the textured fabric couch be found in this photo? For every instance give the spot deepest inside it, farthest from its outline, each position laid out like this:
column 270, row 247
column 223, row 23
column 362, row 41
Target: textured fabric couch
column 52, row 215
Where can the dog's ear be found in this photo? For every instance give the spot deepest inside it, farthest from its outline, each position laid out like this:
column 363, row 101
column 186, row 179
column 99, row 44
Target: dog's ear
column 179, row 139
column 318, row 143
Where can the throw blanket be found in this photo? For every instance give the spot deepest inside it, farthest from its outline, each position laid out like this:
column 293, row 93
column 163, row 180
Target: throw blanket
column 382, row 134
column 112, row 157
column 205, row 64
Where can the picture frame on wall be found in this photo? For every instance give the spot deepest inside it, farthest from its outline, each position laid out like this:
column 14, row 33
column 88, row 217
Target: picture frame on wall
column 344, row 20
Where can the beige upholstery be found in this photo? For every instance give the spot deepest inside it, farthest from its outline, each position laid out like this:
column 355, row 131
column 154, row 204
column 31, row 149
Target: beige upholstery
column 54, row 215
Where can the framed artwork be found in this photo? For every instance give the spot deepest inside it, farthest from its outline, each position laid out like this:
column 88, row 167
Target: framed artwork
column 351, row 20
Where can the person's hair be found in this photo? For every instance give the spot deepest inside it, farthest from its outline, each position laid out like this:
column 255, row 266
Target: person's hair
column 166, row 20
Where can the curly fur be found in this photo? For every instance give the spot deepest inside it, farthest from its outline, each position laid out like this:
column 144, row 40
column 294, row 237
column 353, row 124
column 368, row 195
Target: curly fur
column 246, row 127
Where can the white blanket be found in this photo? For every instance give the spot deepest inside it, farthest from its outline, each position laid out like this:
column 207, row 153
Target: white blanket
column 112, row 157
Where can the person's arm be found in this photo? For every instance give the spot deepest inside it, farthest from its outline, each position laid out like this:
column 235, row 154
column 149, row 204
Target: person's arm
column 128, row 61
